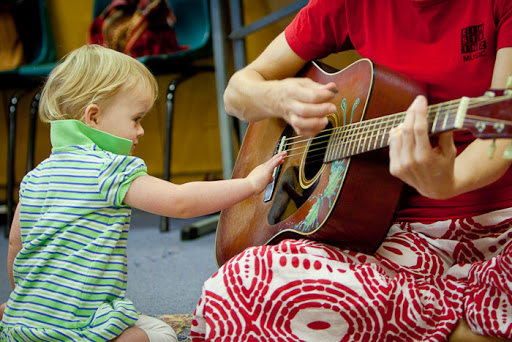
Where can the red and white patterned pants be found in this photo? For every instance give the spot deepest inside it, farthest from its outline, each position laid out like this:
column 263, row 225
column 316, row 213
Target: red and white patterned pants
column 421, row 281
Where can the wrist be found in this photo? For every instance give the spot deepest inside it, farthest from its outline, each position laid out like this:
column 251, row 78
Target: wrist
column 273, row 104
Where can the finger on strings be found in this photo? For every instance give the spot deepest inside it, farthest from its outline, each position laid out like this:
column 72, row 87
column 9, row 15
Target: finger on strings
column 395, row 146
column 407, row 128
column 420, row 124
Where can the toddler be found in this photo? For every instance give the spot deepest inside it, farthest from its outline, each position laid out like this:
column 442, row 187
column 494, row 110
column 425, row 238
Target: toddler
column 67, row 249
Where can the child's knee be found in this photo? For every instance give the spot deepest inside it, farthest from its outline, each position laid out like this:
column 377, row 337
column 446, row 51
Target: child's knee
column 157, row 330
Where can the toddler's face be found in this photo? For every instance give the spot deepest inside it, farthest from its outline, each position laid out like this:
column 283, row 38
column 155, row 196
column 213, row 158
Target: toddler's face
column 122, row 116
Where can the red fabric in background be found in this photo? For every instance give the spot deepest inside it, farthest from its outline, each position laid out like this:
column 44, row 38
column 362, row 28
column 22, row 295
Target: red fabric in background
column 148, row 28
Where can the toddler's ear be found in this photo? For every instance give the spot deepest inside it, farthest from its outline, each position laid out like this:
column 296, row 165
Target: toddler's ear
column 91, row 115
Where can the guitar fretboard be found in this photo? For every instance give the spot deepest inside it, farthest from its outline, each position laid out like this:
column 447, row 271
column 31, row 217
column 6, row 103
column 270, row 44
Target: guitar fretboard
column 365, row 136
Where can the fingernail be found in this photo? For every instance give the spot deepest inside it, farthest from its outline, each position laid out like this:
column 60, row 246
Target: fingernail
column 419, row 98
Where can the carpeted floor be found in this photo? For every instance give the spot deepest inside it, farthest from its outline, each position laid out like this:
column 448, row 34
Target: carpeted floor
column 165, row 274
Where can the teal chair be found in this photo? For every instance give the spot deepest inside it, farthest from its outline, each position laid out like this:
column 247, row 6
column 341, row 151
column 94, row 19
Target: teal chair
column 39, row 49
column 193, row 28
column 34, row 29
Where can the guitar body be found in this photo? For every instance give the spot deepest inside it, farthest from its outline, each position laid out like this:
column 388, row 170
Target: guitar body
column 347, row 203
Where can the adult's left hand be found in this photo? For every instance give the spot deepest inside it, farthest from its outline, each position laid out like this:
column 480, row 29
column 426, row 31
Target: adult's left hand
column 430, row 170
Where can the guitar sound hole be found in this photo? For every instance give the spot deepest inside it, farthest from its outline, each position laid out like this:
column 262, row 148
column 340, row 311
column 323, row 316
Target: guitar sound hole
column 316, row 152
column 289, row 194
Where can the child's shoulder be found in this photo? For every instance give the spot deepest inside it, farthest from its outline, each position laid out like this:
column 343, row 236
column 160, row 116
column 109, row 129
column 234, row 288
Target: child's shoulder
column 76, row 158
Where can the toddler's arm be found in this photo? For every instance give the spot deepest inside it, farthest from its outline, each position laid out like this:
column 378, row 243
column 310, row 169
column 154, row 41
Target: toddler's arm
column 193, row 199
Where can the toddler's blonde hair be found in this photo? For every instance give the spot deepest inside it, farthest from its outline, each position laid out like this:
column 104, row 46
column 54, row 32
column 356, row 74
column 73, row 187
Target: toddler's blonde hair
column 87, row 75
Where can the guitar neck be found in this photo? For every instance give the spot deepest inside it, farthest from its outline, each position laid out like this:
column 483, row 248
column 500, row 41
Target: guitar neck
column 369, row 135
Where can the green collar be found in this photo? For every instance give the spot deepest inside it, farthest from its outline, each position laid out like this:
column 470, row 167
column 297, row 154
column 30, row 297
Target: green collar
column 65, row 133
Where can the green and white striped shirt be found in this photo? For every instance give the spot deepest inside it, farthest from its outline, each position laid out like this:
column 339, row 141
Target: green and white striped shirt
column 71, row 272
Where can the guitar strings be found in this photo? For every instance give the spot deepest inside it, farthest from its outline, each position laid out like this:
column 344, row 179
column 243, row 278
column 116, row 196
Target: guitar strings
column 363, row 137
column 354, row 130
column 349, row 132
column 474, row 102
column 313, row 156
column 318, row 154
column 394, row 116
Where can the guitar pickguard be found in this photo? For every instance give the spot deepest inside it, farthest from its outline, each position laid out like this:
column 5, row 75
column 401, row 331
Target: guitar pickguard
column 326, row 199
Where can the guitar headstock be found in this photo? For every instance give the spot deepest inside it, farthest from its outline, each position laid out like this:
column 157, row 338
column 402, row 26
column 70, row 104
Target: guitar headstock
column 490, row 116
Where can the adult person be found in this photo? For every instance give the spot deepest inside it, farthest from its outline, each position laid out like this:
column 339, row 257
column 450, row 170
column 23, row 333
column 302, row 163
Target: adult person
column 443, row 272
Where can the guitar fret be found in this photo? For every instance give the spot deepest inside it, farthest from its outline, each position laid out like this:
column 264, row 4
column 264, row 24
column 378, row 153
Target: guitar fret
column 382, row 133
column 434, row 124
column 446, row 116
column 328, row 151
column 352, row 142
column 378, row 133
column 361, row 139
column 382, row 141
column 396, row 120
column 355, row 139
column 346, row 139
column 375, row 134
column 338, row 145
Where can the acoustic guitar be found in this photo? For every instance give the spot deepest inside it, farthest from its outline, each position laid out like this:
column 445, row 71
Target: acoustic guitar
column 336, row 187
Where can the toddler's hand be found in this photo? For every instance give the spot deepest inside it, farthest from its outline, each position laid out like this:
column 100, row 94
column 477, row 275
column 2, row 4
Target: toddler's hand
column 262, row 174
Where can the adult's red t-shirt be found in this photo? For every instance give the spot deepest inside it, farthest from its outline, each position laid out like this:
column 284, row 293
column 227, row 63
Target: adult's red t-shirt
column 449, row 45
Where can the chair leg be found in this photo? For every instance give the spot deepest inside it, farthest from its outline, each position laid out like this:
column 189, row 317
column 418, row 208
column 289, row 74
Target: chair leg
column 32, row 130
column 169, row 111
column 169, row 118
column 11, row 149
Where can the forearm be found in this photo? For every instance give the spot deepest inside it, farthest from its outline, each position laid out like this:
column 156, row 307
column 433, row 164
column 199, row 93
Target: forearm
column 255, row 92
column 475, row 169
column 186, row 200
column 202, row 198
column 160, row 197
column 249, row 97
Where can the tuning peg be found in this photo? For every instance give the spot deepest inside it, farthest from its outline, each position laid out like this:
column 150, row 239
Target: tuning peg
column 508, row 152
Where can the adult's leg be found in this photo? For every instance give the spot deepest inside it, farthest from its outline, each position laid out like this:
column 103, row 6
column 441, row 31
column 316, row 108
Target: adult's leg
column 302, row 290
column 463, row 333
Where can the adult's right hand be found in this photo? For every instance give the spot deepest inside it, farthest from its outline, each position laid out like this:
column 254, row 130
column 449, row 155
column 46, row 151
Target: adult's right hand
column 268, row 88
column 303, row 103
